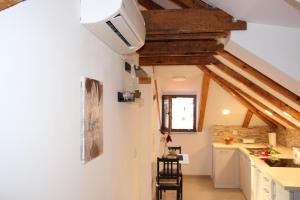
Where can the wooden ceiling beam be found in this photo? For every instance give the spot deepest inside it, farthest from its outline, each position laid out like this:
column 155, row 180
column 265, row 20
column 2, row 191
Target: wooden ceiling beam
column 263, row 106
column 191, row 4
column 258, row 90
column 247, row 119
column 180, row 47
column 189, row 21
column 203, row 100
column 187, row 36
column 260, row 76
column 150, row 5
column 8, row 3
column 144, row 80
column 158, row 60
column 157, row 100
column 226, row 86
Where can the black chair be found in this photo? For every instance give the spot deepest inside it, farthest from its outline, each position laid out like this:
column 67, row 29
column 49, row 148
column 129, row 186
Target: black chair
column 168, row 177
column 177, row 149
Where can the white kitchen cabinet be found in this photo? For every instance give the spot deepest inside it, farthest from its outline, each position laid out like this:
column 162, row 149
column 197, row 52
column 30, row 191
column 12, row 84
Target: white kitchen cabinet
column 225, row 168
column 282, row 194
column 258, row 183
column 245, row 175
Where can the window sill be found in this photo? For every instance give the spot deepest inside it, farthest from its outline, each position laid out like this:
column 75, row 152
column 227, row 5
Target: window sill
column 185, row 132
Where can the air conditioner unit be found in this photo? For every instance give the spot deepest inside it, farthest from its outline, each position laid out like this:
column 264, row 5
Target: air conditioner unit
column 118, row 23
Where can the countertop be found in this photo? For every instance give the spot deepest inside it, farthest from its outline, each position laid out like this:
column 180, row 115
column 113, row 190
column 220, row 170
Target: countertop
column 289, row 178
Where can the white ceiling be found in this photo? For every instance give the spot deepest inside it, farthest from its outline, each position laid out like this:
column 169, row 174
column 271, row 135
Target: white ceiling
column 190, row 86
column 272, row 12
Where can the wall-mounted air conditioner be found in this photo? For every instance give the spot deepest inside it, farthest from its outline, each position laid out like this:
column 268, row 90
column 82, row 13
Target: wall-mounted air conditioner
column 118, row 23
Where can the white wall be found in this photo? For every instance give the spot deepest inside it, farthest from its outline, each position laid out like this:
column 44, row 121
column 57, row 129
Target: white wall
column 44, row 52
column 273, row 50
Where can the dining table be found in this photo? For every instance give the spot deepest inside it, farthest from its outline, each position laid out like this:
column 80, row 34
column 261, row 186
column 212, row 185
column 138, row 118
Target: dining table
column 183, row 158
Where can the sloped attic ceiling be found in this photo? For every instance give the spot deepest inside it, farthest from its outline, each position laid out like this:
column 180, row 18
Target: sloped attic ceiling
column 272, row 12
column 270, row 105
column 271, row 42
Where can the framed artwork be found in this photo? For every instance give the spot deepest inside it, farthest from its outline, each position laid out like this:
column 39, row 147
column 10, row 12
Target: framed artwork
column 92, row 119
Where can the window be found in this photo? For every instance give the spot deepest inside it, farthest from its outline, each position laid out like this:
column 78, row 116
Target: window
column 179, row 113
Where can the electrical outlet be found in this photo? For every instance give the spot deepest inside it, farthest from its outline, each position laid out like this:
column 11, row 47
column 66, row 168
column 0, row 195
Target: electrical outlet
column 235, row 132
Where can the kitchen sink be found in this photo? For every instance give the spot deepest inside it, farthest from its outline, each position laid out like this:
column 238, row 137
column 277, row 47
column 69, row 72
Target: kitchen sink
column 256, row 151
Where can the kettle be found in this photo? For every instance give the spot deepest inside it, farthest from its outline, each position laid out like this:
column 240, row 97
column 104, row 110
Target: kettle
column 296, row 155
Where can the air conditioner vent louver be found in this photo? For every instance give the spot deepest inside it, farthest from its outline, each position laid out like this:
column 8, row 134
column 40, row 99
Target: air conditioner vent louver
column 116, row 31
column 118, row 23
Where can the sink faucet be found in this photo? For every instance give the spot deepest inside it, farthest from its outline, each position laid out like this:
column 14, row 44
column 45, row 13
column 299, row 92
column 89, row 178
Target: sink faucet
column 269, row 146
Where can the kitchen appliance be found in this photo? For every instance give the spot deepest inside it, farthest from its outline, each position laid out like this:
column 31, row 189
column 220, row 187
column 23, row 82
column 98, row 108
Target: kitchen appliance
column 296, row 155
column 281, row 162
column 118, row 23
column 272, row 139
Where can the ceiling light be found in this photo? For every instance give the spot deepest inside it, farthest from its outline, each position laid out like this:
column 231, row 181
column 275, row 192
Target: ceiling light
column 287, row 114
column 178, row 78
column 268, row 112
column 226, row 112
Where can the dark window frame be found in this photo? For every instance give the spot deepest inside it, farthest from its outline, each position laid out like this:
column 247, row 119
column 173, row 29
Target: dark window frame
column 169, row 97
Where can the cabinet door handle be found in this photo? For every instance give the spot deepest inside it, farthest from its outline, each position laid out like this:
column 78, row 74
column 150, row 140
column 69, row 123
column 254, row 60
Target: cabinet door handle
column 266, row 179
column 267, row 191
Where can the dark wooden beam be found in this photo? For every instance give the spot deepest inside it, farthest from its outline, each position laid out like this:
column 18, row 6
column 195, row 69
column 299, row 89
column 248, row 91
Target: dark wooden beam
column 180, row 47
column 144, row 80
column 247, row 119
column 157, row 99
column 150, row 5
column 8, row 3
column 258, row 90
column 187, row 36
column 191, row 4
column 190, row 21
column 202, row 102
column 155, row 60
column 226, row 86
column 260, row 76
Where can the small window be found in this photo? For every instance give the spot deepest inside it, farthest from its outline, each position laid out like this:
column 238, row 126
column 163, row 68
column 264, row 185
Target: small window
column 179, row 113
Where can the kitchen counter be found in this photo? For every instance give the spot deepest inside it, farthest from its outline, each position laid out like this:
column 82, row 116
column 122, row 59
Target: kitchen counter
column 289, row 178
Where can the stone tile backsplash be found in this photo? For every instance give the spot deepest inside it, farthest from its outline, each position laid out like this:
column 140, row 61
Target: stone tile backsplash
column 288, row 137
column 259, row 133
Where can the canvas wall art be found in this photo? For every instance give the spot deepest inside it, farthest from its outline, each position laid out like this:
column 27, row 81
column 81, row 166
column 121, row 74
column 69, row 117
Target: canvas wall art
column 92, row 119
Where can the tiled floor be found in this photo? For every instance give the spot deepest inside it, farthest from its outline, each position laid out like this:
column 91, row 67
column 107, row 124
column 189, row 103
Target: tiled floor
column 201, row 188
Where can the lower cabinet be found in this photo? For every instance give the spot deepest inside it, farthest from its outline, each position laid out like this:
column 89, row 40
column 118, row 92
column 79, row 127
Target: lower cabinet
column 226, row 168
column 234, row 169
column 245, row 175
column 281, row 194
column 257, row 183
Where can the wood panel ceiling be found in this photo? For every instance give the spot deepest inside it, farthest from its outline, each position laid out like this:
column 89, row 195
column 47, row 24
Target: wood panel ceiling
column 185, row 36
column 191, row 36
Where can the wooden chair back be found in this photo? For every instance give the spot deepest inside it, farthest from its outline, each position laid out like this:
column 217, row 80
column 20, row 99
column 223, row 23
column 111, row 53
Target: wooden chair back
column 168, row 168
column 177, row 149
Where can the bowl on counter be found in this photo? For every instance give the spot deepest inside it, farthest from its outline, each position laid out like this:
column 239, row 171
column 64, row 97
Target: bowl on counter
column 228, row 140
